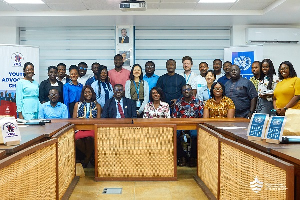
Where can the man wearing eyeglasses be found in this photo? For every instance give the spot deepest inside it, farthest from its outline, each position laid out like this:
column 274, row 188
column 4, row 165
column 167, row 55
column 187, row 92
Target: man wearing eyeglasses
column 119, row 106
column 187, row 107
column 95, row 68
column 53, row 109
column 150, row 77
column 82, row 69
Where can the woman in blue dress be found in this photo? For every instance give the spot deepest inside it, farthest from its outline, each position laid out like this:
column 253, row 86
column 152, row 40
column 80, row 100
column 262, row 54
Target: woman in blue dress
column 102, row 86
column 72, row 90
column 27, row 94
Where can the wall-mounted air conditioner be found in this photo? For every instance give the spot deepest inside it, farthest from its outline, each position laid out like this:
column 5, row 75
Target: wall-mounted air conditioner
column 272, row 35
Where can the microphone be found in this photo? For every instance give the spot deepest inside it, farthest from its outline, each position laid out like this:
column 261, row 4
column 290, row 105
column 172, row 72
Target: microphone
column 290, row 139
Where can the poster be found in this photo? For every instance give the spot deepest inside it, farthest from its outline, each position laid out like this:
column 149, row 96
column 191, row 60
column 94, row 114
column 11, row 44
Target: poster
column 12, row 58
column 244, row 56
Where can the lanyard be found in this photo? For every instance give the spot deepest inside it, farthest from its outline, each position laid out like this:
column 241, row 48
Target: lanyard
column 187, row 80
column 137, row 89
column 208, row 93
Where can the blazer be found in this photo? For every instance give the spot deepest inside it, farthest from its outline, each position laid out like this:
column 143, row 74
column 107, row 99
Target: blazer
column 126, row 39
column 45, row 87
column 110, row 108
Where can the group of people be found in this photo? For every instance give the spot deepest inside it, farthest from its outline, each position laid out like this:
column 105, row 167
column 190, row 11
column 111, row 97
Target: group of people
column 120, row 93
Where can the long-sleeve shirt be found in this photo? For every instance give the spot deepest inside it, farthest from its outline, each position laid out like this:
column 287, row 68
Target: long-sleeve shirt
column 72, row 93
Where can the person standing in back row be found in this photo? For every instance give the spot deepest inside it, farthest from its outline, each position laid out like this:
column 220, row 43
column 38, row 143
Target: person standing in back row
column 171, row 83
column 118, row 75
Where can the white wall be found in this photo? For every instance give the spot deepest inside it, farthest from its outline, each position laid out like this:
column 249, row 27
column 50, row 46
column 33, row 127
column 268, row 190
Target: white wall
column 9, row 35
column 276, row 52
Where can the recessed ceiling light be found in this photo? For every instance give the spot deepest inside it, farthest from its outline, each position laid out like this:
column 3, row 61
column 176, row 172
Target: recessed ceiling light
column 24, row 1
column 217, row 1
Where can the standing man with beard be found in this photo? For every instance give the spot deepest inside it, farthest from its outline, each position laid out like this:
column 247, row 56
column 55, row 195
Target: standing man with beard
column 217, row 65
column 150, row 77
column 171, row 83
column 188, row 74
column 95, row 68
column 118, row 75
column 83, row 77
column 256, row 66
column 199, row 81
column 62, row 76
column 226, row 77
column 242, row 92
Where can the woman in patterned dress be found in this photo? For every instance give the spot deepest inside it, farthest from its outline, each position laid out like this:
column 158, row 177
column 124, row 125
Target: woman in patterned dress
column 219, row 106
column 156, row 108
column 85, row 109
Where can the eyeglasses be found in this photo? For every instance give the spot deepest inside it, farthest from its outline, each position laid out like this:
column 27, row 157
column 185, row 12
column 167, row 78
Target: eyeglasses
column 53, row 95
column 187, row 89
column 82, row 68
column 118, row 90
column 150, row 66
column 218, row 89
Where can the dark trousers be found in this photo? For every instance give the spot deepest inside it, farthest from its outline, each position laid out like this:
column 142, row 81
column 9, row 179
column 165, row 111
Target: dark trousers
column 193, row 136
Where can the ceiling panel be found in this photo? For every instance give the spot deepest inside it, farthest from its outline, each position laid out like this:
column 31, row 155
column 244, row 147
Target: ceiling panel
column 177, row 6
column 5, row 7
column 31, row 7
column 252, row 4
column 67, row 6
column 211, row 6
column 179, row 1
column 101, row 5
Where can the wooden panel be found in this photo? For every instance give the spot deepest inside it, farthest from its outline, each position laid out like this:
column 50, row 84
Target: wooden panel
column 208, row 160
column 129, row 152
column 30, row 173
column 66, row 159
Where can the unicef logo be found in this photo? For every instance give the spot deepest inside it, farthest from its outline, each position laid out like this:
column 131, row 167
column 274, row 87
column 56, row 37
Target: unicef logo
column 243, row 62
column 276, row 122
column 259, row 119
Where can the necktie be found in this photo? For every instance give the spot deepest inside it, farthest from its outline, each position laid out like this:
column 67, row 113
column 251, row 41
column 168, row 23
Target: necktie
column 120, row 110
column 122, row 40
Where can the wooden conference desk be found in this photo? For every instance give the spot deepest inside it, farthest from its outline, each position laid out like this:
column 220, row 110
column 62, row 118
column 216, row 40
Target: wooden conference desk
column 33, row 134
column 42, row 166
column 278, row 162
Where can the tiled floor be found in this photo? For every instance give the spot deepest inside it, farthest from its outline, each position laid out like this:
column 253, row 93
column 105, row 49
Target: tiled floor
column 184, row 188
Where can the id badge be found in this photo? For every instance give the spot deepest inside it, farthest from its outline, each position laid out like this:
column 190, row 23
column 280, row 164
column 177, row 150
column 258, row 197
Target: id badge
column 138, row 103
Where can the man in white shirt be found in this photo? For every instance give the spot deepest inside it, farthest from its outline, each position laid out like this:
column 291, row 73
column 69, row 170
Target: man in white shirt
column 83, row 77
column 199, row 81
column 188, row 74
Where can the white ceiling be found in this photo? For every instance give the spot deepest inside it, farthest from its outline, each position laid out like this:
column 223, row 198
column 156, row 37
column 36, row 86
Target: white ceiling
column 158, row 13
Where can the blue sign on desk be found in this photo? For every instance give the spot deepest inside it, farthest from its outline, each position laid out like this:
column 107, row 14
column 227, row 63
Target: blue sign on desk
column 257, row 126
column 275, row 128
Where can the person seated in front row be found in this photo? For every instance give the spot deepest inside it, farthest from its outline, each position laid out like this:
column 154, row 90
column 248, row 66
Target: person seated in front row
column 53, row 109
column 119, row 106
column 157, row 108
column 187, row 107
column 219, row 106
column 86, row 108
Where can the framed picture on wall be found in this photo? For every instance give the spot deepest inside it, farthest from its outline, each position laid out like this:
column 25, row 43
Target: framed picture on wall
column 126, row 57
column 123, row 35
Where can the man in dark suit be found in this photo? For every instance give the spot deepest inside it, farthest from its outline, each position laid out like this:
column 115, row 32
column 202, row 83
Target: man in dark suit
column 119, row 106
column 124, row 38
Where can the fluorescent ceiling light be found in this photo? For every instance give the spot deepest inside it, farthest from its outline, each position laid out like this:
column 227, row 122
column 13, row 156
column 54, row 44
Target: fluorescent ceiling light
column 217, row 1
column 24, row 1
